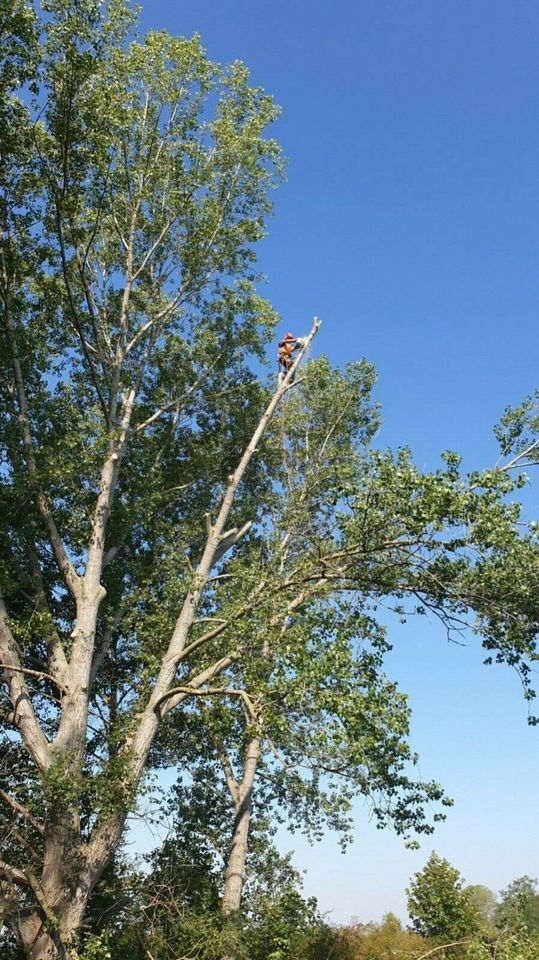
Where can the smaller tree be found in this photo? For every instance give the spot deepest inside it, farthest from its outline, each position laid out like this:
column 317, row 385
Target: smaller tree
column 438, row 905
column 519, row 907
column 173, row 911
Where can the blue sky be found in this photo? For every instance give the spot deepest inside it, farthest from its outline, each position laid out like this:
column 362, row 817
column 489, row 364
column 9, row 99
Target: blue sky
column 410, row 223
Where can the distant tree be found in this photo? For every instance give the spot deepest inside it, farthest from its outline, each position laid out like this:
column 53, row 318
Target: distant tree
column 438, row 905
column 485, row 902
column 376, row 941
column 519, row 906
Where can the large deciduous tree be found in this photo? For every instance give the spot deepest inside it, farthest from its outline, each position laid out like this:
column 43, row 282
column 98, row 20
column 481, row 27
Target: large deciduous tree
column 135, row 181
column 173, row 555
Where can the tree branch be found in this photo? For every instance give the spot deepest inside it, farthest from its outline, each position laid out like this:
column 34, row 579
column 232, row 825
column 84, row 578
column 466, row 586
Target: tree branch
column 179, row 401
column 173, row 699
column 24, row 717
column 65, row 566
column 23, row 811
column 13, row 875
column 74, row 313
column 442, row 946
column 190, row 690
column 517, row 460
column 231, row 782
column 149, row 718
column 35, row 673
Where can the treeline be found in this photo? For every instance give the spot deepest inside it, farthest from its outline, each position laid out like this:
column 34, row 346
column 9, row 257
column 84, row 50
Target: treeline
column 174, row 913
column 169, row 909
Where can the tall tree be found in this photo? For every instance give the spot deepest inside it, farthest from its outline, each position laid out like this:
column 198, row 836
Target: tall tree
column 145, row 562
column 318, row 722
column 132, row 192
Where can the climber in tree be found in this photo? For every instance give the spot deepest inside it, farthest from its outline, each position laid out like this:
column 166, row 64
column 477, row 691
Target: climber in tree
column 285, row 352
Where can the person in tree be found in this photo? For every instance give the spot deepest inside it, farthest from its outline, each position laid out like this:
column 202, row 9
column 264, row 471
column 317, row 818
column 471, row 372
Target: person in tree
column 285, row 353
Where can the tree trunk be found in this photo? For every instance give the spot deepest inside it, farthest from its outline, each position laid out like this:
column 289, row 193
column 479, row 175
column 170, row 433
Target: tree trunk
column 34, row 939
column 50, row 938
column 235, row 868
column 48, row 930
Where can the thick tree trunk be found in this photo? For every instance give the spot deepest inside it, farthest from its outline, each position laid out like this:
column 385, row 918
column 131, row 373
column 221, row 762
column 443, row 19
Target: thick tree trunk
column 49, row 929
column 34, row 939
column 235, row 868
column 41, row 940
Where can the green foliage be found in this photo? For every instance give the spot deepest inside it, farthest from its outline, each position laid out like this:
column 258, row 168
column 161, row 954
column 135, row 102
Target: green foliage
column 439, row 907
column 511, row 946
column 387, row 940
column 518, row 429
column 175, row 911
column 135, row 184
column 95, row 949
column 519, row 906
column 169, row 908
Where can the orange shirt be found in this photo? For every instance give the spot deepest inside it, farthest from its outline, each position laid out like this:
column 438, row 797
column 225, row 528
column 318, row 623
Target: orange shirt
column 286, row 348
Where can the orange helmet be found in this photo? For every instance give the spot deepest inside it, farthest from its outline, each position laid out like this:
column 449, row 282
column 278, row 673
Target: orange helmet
column 289, row 336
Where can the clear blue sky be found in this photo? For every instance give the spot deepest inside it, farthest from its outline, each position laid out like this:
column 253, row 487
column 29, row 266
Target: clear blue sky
column 410, row 224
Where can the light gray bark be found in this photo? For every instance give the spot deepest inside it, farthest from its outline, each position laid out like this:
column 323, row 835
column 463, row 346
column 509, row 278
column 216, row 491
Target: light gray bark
column 107, row 833
column 242, row 793
column 217, row 533
column 235, row 867
column 23, row 717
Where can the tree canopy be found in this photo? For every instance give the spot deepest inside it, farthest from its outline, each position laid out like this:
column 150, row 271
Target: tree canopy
column 438, row 904
column 193, row 554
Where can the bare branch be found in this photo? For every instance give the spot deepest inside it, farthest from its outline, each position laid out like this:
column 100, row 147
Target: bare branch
column 204, row 677
column 223, row 625
column 123, row 241
column 190, row 690
column 101, row 653
column 111, row 554
column 92, row 310
column 443, row 946
column 230, row 539
column 231, row 782
column 149, row 719
column 13, row 875
column 517, row 460
column 179, row 401
column 151, row 250
column 35, row 673
column 22, row 811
